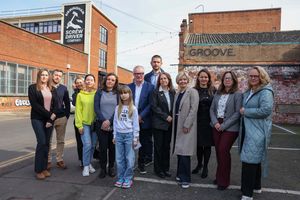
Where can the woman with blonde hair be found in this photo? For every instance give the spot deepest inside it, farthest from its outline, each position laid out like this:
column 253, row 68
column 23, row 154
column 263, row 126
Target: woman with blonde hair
column 184, row 129
column 255, row 130
column 43, row 101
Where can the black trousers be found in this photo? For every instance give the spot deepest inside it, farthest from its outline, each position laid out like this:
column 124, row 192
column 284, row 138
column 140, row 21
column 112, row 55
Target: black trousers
column 251, row 178
column 43, row 135
column 79, row 142
column 184, row 168
column 162, row 141
column 105, row 144
column 146, row 150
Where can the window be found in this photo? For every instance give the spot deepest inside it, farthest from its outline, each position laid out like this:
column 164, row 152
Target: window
column 11, row 78
column 103, row 35
column 2, row 78
column 102, row 58
column 43, row 27
column 15, row 79
column 22, row 79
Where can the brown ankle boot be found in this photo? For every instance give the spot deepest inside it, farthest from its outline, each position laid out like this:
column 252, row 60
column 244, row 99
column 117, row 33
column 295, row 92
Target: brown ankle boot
column 46, row 173
column 40, row 176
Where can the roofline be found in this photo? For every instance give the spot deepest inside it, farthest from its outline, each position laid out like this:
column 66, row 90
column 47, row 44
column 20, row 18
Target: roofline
column 61, row 12
column 21, row 29
column 233, row 11
column 276, row 32
column 96, row 8
column 32, row 16
column 124, row 68
column 242, row 44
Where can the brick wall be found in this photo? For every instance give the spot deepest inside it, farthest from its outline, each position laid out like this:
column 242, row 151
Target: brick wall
column 98, row 19
column 24, row 47
column 285, row 83
column 125, row 75
column 264, row 20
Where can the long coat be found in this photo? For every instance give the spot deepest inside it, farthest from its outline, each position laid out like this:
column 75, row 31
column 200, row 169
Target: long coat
column 256, row 125
column 186, row 143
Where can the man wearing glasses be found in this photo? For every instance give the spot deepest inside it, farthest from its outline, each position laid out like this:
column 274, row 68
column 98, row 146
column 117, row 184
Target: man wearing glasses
column 141, row 91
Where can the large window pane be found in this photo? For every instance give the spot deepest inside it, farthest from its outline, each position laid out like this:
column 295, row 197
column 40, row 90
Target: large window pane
column 2, row 78
column 103, row 35
column 22, row 79
column 102, row 58
column 11, row 70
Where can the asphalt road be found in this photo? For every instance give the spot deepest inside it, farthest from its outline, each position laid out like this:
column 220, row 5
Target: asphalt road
column 17, row 179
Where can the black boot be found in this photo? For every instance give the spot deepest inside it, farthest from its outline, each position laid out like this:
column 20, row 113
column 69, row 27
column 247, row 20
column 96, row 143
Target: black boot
column 102, row 173
column 204, row 172
column 111, row 172
column 197, row 169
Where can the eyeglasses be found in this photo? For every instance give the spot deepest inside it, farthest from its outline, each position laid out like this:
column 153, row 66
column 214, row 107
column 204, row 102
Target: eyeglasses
column 228, row 78
column 138, row 74
column 254, row 76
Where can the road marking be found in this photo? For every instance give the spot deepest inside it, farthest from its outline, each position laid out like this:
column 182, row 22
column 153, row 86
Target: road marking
column 29, row 155
column 287, row 130
column 109, row 194
column 279, row 148
column 201, row 185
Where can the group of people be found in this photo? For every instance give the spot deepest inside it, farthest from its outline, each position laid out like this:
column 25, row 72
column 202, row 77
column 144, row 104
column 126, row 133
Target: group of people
column 182, row 122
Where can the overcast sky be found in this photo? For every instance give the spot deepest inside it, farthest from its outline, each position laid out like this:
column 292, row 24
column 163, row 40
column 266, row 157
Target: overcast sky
column 151, row 27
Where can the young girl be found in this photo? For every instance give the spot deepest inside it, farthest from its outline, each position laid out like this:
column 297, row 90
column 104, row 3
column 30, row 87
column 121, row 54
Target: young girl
column 126, row 134
column 84, row 117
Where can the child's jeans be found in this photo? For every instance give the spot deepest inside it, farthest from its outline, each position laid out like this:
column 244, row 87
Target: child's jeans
column 124, row 155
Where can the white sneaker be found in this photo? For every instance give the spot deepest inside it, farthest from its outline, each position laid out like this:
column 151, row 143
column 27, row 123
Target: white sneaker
column 246, row 198
column 85, row 171
column 257, row 191
column 91, row 169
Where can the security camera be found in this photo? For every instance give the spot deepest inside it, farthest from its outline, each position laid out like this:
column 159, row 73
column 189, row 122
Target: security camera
column 68, row 66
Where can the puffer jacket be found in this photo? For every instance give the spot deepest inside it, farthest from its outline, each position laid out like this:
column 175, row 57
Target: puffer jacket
column 256, row 126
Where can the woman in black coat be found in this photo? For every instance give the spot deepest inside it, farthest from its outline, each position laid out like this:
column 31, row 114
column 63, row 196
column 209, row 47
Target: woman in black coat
column 43, row 100
column 162, row 100
column 204, row 131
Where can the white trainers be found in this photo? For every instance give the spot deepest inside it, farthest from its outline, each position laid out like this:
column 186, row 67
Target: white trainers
column 85, row 171
column 91, row 169
column 246, row 198
column 257, row 191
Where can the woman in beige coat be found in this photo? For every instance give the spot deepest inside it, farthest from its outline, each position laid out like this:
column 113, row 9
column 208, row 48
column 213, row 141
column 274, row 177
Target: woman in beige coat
column 184, row 134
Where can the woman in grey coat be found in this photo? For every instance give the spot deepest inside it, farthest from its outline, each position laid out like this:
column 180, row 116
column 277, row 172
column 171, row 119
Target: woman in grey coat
column 184, row 129
column 256, row 130
column 225, row 119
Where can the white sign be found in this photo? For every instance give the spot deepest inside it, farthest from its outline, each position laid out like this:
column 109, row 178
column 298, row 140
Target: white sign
column 19, row 102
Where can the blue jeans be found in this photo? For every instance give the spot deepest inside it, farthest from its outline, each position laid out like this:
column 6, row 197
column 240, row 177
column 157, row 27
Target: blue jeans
column 124, row 156
column 43, row 135
column 89, row 140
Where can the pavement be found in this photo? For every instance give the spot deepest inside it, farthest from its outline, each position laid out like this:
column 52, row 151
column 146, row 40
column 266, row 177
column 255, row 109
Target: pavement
column 4, row 116
column 17, row 178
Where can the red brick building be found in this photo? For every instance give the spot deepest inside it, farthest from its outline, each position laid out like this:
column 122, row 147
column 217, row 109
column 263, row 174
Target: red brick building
column 237, row 40
column 78, row 39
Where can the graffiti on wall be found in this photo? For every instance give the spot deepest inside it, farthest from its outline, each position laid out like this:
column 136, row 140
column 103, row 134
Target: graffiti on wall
column 14, row 103
column 285, row 82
